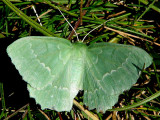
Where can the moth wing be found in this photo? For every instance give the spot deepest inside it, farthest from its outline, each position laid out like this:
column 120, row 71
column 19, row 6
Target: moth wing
column 110, row 69
column 46, row 64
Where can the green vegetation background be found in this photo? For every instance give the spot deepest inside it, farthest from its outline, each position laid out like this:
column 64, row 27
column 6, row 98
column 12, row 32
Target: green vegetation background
column 132, row 22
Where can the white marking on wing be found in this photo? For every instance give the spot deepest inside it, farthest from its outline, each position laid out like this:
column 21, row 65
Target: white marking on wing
column 112, row 71
column 58, row 47
column 61, row 88
column 41, row 63
column 96, row 61
column 60, row 55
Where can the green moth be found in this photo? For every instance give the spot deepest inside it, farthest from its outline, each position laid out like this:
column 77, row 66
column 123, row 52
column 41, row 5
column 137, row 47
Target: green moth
column 56, row 69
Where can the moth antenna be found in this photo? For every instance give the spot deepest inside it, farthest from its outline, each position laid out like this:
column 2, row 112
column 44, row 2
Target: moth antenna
column 69, row 23
column 94, row 29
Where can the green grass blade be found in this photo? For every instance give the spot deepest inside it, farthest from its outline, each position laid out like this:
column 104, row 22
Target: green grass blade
column 28, row 19
column 138, row 103
column 129, row 31
column 146, row 10
column 3, row 114
column 152, row 6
